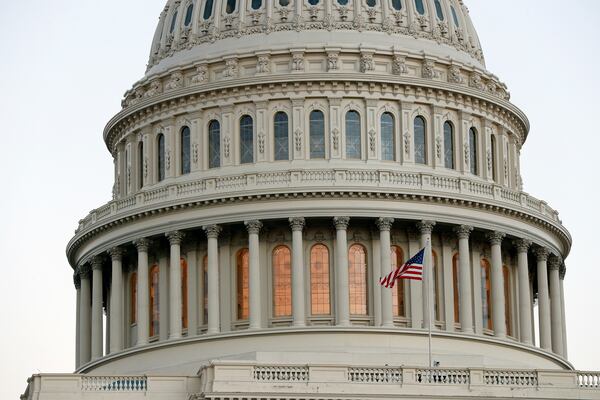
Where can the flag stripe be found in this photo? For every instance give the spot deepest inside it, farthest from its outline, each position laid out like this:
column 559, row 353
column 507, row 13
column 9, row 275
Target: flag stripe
column 411, row 270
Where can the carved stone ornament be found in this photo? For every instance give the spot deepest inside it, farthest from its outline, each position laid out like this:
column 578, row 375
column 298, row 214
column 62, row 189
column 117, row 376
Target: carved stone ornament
column 428, row 69
column 226, row 146
column 467, row 154
column 438, row 147
column 175, row 237
column 335, row 137
column 554, row 263
column 298, row 139
column 476, row 81
column 341, row 223
column 313, row 12
column 407, row 138
column 261, row 142
column 425, row 227
column 366, row 62
column 196, row 152
column 175, row 82
column 146, row 163
column 263, row 65
column 253, row 226
column 384, row 224
column 201, row 75
column 298, row 62
column 168, row 159
column 541, row 253
column 212, row 231
column 142, row 245
column 231, row 68
column 284, row 13
column 489, row 159
column 297, row 223
column 116, row 253
column 372, row 140
column 332, row 61
column 495, row 238
column 155, row 88
column 343, row 10
column 463, row 231
column 399, row 65
column 454, row 75
column 522, row 245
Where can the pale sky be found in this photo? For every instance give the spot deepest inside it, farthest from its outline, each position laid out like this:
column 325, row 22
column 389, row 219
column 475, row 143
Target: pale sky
column 66, row 63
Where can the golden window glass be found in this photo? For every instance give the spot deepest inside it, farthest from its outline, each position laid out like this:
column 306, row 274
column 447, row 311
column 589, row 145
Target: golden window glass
column 319, row 280
column 397, row 257
column 184, row 290
column 486, row 295
column 455, row 287
column 357, row 279
column 205, row 288
column 154, row 306
column 282, row 282
column 506, row 273
column 243, row 282
column 133, row 302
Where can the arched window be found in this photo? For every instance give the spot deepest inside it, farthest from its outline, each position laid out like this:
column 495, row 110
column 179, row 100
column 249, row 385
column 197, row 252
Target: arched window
column 161, row 157
column 243, row 282
column 189, row 13
column 173, row 22
column 353, row 146
column 436, row 286
column 420, row 141
column 208, row 9
column 399, row 309
column 438, row 10
column 230, row 7
column 256, row 4
column 205, row 288
column 140, row 165
column 493, row 158
column 184, row 290
column 357, row 279
column 474, row 161
column 507, row 302
column 214, row 144
column 154, row 299
column 246, row 139
column 456, row 287
column 448, row 145
column 133, row 302
column 397, row 5
column 186, row 145
column 388, row 128
column 420, row 7
column 486, row 295
column 320, row 302
column 282, row 282
column 455, row 17
column 282, row 136
column 317, row 134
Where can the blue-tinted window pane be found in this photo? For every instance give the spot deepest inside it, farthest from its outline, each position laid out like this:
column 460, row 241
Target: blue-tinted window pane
column 185, row 150
column 420, row 7
column 342, row 2
column 161, row 157
column 214, row 144
column 494, row 171
column 246, row 140
column 448, row 145
column 230, row 8
column 474, row 161
column 208, row 9
column 313, row 2
column 317, row 135
column 140, row 165
column 256, row 4
column 371, row 3
column 387, row 137
column 173, row 22
column 353, row 144
column 438, row 10
column 397, row 4
column 282, row 137
column 189, row 14
column 284, row 3
column 420, row 142
column 454, row 16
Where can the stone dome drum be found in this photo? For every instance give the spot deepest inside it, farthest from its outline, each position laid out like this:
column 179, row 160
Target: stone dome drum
column 277, row 159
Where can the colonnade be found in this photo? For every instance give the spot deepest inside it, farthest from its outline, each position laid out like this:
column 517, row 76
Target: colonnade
column 549, row 273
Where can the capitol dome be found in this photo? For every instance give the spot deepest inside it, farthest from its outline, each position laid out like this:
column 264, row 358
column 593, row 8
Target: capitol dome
column 277, row 159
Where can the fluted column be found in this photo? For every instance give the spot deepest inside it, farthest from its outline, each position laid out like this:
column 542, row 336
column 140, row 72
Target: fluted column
column 116, row 300
column 298, row 301
column 522, row 246
column 562, row 273
column 143, row 292
column 543, row 299
column 175, row 295
column 555, row 305
column 254, row 228
column 425, row 228
column 387, row 312
column 97, row 331
column 341, row 267
column 498, row 301
column 85, row 320
column 214, row 318
column 77, row 282
column 464, row 277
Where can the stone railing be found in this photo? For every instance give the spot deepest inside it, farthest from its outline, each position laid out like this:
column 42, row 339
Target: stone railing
column 375, row 375
column 281, row 374
column 299, row 181
column 443, row 376
column 114, row 384
column 512, row 378
column 589, row 380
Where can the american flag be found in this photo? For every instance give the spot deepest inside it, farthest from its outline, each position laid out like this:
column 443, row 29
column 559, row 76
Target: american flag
column 412, row 269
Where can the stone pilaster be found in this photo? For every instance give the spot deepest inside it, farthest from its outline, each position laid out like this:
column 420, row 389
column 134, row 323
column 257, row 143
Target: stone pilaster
column 254, row 228
column 298, row 301
column 341, row 267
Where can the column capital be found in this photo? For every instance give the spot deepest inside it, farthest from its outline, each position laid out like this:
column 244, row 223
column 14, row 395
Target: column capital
column 77, row 279
column 496, row 237
column 554, row 263
column 297, row 224
column 142, row 245
column 384, row 224
column 212, row 231
column 254, row 226
column 562, row 272
column 522, row 245
column 341, row 223
column 425, row 227
column 175, row 237
column 541, row 253
column 84, row 271
column 96, row 263
column 463, row 231
column 116, row 253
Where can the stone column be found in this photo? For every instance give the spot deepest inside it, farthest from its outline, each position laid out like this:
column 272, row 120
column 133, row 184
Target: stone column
column 498, row 301
column 555, row 304
column 214, row 319
column 522, row 246
column 464, row 278
column 77, row 282
column 387, row 312
column 116, row 300
column 341, row 267
column 97, row 331
column 254, row 228
column 298, row 301
column 425, row 228
column 562, row 273
column 175, row 295
column 543, row 300
column 143, row 292
column 85, row 320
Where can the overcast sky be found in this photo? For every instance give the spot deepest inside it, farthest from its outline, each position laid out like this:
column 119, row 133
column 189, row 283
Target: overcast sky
column 66, row 63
